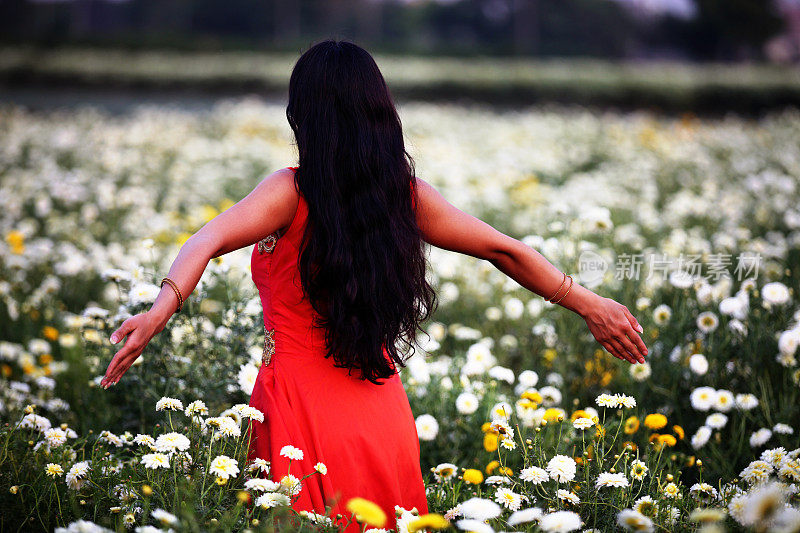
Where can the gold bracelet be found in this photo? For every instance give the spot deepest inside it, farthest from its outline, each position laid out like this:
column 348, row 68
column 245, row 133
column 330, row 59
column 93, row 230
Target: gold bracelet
column 176, row 289
column 559, row 287
column 568, row 289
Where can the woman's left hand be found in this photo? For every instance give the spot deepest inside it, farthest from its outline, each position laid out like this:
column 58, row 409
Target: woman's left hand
column 139, row 329
column 616, row 329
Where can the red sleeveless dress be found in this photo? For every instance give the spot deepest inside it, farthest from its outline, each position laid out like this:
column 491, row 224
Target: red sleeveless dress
column 365, row 434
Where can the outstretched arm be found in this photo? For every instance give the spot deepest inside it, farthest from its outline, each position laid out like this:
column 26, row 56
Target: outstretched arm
column 269, row 207
column 445, row 226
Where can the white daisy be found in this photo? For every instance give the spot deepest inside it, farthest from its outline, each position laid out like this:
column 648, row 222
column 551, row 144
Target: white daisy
column 703, row 492
column 197, row 407
column 34, row 421
column 671, row 491
column 774, row 456
column 506, row 497
column 524, row 516
column 760, row 437
column 77, row 475
column 170, row 442
column 756, row 471
column 681, row 279
column 291, row 485
column 53, row 470
column 427, row 427
column 155, row 460
column 291, row 452
column 502, row 410
column 467, row 403
column 640, row 372
column 716, row 420
column 724, row 400
column 567, row 496
column 475, row 526
column 698, row 364
column 273, row 499
column 638, row 470
column 145, row 440
column 479, row 509
column 562, row 468
column 259, row 464
column 55, row 437
column 534, row 474
column 746, row 401
column 701, row 437
column 646, row 506
column 111, row 438
column 628, row 402
column 252, row 413
column 775, row 293
column 224, row 467
column 662, row 314
column 608, row 479
column 606, row 400
column 169, row 404
column 498, row 480
column 246, row 377
column 707, row 322
column 560, row 522
column 702, row 398
column 261, row 485
column 634, row 521
column 164, row 517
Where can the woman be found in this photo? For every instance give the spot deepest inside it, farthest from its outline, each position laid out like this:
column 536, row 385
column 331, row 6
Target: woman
column 339, row 263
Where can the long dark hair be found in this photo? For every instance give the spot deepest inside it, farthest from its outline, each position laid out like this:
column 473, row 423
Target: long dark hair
column 362, row 260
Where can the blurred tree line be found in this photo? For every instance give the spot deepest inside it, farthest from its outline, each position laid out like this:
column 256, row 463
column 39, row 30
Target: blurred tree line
column 720, row 29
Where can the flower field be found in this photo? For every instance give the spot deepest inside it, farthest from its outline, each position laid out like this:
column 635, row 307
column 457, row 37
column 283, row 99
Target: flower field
column 525, row 423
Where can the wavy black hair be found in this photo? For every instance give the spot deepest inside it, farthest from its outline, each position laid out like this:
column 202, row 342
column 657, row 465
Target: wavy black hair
column 362, row 261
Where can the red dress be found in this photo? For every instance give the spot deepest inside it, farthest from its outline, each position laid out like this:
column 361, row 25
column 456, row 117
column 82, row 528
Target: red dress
column 364, row 433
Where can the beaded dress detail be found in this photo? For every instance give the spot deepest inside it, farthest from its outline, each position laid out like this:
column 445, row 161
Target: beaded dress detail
column 265, row 246
column 365, row 434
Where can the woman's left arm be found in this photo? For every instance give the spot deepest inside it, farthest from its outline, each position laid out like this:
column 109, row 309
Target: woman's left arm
column 446, row 226
column 269, row 207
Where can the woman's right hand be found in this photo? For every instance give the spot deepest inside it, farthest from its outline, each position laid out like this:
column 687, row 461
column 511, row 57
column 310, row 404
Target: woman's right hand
column 139, row 329
column 616, row 329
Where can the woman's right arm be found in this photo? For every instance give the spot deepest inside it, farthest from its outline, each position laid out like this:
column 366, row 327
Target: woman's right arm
column 269, row 207
column 447, row 227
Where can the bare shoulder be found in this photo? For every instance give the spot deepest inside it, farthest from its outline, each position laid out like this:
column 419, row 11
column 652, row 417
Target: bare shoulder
column 268, row 208
column 445, row 226
column 282, row 179
column 278, row 193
